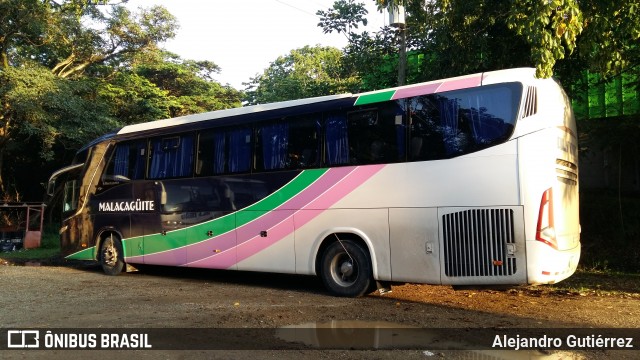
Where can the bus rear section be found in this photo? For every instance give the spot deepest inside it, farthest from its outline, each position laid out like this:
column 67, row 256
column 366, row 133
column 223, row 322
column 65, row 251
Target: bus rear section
column 548, row 161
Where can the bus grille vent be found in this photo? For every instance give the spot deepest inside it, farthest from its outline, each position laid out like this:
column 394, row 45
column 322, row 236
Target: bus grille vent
column 566, row 172
column 530, row 102
column 479, row 242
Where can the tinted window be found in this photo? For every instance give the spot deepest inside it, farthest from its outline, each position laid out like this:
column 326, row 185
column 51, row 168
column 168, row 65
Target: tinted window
column 223, row 151
column 287, row 144
column 171, row 157
column 127, row 162
column 71, row 195
column 453, row 123
column 376, row 135
column 367, row 136
column 336, row 139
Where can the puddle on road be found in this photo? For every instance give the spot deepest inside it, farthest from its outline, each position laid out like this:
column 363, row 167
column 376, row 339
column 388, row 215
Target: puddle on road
column 367, row 335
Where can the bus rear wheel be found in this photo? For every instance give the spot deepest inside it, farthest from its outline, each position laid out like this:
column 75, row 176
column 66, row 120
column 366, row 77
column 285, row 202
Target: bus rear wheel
column 345, row 269
column 111, row 256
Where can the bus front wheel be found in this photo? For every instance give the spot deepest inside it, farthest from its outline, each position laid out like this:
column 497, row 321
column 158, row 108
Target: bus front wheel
column 111, row 256
column 346, row 269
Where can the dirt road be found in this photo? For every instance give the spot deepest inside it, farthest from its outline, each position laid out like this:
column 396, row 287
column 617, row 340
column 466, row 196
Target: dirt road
column 64, row 297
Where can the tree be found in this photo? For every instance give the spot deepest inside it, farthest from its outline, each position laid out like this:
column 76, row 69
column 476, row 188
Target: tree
column 368, row 56
column 481, row 28
column 189, row 84
column 305, row 72
column 465, row 37
column 73, row 70
column 374, row 58
column 343, row 17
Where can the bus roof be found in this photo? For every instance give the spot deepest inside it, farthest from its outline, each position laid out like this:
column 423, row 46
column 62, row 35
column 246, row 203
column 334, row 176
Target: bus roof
column 219, row 114
column 286, row 108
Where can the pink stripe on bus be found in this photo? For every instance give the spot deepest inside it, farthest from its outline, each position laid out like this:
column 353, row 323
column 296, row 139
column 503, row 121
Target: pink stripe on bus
column 200, row 256
column 321, row 203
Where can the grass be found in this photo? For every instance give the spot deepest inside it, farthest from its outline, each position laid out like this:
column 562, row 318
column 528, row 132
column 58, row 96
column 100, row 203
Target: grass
column 49, row 248
column 599, row 283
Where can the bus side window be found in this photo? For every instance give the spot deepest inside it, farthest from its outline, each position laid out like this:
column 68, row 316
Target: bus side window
column 425, row 137
column 224, row 151
column 127, row 162
column 291, row 143
column 171, row 157
column 336, row 139
column 71, row 196
column 272, row 146
column 304, row 142
column 376, row 136
column 459, row 122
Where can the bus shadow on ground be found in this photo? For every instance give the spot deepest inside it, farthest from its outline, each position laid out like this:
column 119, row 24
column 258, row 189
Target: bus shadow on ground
column 290, row 282
column 581, row 283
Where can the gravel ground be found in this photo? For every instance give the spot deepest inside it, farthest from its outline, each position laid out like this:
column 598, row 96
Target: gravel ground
column 70, row 297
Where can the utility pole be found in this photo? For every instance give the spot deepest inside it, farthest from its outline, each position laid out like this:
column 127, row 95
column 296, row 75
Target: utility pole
column 396, row 20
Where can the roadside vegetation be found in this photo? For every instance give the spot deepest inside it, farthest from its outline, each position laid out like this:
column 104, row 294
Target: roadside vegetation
column 49, row 249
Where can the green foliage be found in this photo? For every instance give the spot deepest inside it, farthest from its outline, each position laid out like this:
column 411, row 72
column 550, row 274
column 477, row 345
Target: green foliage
column 303, row 73
column 188, row 85
column 73, row 70
column 133, row 99
column 344, row 16
column 550, row 28
column 374, row 57
column 610, row 38
column 22, row 22
column 462, row 37
column 49, row 248
column 41, row 105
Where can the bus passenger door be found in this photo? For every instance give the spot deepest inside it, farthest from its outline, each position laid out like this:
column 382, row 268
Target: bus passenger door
column 168, row 246
column 162, row 223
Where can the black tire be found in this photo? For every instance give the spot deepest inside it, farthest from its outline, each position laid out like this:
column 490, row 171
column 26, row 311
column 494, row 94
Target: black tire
column 111, row 256
column 345, row 269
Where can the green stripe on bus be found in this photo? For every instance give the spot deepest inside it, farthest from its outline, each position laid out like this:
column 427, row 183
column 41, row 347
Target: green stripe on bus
column 174, row 239
column 375, row 97
column 86, row 254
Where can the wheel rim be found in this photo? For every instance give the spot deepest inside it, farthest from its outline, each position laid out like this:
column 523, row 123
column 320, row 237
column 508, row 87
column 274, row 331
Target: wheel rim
column 344, row 270
column 110, row 253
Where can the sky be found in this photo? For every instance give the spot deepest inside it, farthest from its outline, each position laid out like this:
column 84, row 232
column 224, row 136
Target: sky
column 243, row 37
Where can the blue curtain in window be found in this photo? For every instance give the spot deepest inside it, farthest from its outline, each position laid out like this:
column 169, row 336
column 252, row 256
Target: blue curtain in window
column 157, row 169
column 140, row 158
column 337, row 140
column 275, row 144
column 449, row 110
column 401, row 134
column 239, row 150
column 219, row 142
column 170, row 159
column 121, row 161
column 184, row 157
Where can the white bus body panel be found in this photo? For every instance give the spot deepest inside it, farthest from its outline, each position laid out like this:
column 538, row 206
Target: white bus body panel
column 461, row 181
column 278, row 255
column 549, row 160
column 371, row 225
column 415, row 249
column 401, row 226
